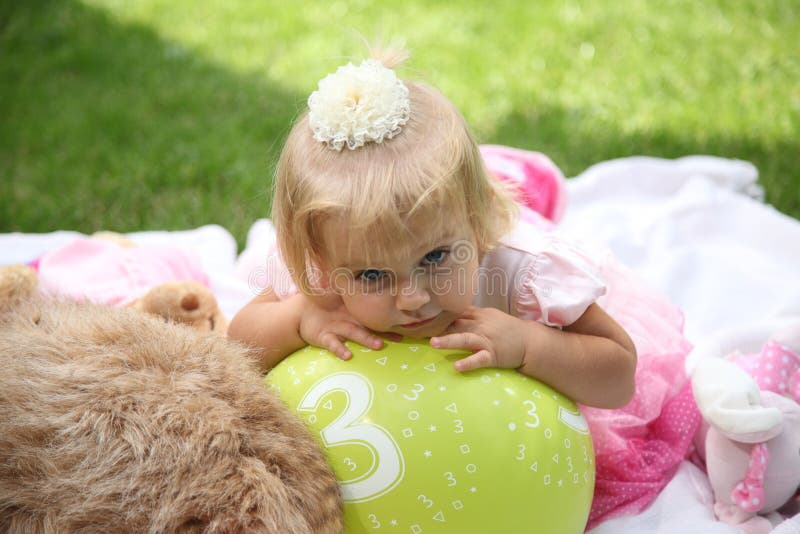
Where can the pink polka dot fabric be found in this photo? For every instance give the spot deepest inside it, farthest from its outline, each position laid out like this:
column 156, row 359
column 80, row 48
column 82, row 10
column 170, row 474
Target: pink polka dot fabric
column 776, row 368
column 749, row 493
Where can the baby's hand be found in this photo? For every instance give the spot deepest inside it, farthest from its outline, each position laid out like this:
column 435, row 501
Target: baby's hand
column 326, row 323
column 497, row 339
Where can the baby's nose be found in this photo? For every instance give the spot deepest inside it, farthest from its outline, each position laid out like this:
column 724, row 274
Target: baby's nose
column 412, row 296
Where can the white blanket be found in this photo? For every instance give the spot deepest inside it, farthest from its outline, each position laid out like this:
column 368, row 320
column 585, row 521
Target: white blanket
column 691, row 227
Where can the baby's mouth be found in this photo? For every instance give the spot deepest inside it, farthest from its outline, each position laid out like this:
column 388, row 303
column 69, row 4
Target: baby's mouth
column 418, row 324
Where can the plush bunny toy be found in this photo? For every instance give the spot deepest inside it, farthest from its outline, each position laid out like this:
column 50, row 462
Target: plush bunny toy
column 751, row 436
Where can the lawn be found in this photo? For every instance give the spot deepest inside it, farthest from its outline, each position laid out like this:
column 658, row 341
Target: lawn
column 168, row 114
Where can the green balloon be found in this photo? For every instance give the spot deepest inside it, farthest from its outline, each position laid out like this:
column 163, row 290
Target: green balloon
column 418, row 447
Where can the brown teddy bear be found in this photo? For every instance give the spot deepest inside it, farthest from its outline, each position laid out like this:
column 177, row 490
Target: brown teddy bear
column 186, row 302
column 114, row 421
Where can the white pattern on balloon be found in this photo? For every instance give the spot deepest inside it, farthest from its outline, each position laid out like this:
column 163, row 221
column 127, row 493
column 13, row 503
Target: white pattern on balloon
column 574, row 420
column 388, row 466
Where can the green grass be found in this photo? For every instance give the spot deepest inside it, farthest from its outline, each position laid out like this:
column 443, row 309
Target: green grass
column 168, row 114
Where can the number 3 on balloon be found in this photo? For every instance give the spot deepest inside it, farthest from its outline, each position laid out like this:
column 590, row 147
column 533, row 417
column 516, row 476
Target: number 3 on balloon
column 387, row 467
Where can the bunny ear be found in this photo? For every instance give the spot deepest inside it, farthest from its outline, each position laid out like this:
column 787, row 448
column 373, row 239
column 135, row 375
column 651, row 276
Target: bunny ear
column 729, row 400
column 771, row 402
column 757, row 418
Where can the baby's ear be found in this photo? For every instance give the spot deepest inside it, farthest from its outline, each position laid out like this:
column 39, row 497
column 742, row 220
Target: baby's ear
column 322, row 276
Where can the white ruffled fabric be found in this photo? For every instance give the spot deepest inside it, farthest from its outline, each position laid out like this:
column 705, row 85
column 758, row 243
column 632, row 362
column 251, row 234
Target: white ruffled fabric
column 358, row 105
column 558, row 284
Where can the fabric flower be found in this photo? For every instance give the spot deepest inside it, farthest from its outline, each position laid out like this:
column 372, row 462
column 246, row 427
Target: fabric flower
column 356, row 105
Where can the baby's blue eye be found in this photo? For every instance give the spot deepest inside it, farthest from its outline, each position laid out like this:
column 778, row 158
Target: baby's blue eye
column 435, row 257
column 371, row 275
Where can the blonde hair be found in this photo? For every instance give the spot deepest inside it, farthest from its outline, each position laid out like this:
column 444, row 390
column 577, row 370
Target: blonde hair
column 430, row 171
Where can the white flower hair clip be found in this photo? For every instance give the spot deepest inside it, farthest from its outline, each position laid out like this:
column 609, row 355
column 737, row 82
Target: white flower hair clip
column 356, row 105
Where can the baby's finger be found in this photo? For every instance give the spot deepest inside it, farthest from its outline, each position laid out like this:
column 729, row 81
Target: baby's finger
column 482, row 358
column 470, row 313
column 459, row 340
column 357, row 333
column 331, row 341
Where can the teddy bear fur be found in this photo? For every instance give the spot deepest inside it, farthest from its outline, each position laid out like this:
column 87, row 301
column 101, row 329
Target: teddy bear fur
column 17, row 283
column 115, row 421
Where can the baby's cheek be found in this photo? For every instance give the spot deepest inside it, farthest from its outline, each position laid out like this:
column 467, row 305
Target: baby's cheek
column 369, row 312
column 465, row 284
column 460, row 297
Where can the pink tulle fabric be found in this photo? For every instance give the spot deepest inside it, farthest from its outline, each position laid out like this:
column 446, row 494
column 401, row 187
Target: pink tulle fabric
column 106, row 273
column 640, row 447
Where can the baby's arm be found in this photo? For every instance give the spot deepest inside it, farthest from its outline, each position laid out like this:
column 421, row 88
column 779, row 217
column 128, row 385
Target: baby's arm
column 279, row 327
column 593, row 360
column 271, row 325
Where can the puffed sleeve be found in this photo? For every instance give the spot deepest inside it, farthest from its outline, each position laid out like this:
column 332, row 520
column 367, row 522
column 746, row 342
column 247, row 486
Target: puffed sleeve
column 558, row 284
